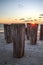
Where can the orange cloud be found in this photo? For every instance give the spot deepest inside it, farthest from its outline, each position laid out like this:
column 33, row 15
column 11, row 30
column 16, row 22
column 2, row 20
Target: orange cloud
column 20, row 21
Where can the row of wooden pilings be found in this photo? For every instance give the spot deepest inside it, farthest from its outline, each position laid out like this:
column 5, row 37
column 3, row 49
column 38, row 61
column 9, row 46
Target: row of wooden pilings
column 16, row 33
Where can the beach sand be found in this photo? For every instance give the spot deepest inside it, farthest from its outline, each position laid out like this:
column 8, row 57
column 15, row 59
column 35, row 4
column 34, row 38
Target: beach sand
column 33, row 53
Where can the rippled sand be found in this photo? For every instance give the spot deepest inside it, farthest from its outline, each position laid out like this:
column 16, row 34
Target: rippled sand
column 33, row 53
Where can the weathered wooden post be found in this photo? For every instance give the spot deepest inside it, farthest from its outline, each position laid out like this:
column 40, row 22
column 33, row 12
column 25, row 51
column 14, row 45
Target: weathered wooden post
column 28, row 30
column 18, row 40
column 5, row 30
column 7, row 33
column 41, row 32
column 33, row 33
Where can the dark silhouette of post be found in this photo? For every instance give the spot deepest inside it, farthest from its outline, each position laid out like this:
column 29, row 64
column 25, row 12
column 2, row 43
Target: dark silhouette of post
column 33, row 33
column 28, row 30
column 5, row 30
column 41, row 32
column 18, row 40
column 7, row 33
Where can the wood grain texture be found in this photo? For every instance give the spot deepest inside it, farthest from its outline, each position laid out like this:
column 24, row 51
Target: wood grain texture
column 28, row 30
column 7, row 33
column 33, row 34
column 18, row 40
column 41, row 32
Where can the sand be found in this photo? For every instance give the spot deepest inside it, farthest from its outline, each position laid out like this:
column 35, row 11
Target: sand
column 33, row 53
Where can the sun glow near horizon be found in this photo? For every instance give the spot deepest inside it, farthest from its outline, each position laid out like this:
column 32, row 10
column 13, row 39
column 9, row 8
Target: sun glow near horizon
column 22, row 20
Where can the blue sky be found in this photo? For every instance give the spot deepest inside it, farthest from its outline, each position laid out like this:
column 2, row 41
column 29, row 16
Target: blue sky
column 20, row 8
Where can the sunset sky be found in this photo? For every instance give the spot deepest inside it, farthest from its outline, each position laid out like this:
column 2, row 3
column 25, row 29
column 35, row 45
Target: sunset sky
column 20, row 9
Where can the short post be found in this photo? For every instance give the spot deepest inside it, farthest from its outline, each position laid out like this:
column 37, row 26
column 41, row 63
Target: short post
column 41, row 32
column 7, row 33
column 28, row 30
column 18, row 40
column 33, row 33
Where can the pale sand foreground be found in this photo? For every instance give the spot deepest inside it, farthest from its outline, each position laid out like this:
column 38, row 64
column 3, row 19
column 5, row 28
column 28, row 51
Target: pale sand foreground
column 33, row 53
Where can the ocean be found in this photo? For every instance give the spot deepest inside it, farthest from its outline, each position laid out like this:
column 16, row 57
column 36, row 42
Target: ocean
column 1, row 28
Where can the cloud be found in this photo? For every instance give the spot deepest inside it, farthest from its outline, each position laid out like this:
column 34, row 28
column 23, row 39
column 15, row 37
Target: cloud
column 41, row 14
column 22, row 19
column 26, row 21
column 20, row 5
column 40, row 17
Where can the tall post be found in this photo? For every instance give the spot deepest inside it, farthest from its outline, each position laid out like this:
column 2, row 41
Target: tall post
column 7, row 33
column 33, row 33
column 41, row 32
column 28, row 30
column 18, row 40
column 5, row 30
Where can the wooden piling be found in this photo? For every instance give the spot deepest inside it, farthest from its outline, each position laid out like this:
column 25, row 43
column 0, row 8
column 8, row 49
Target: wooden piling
column 33, row 33
column 41, row 32
column 18, row 40
column 7, row 33
column 28, row 30
column 5, row 30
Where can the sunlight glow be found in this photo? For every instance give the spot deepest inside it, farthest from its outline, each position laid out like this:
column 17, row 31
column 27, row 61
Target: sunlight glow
column 19, row 21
